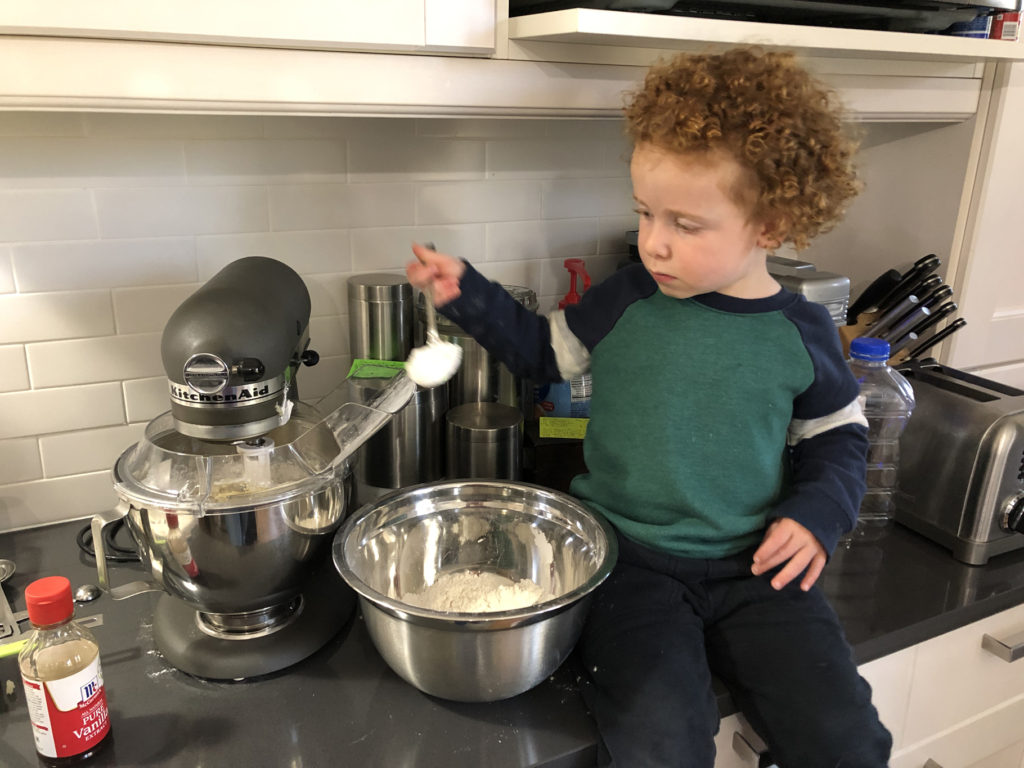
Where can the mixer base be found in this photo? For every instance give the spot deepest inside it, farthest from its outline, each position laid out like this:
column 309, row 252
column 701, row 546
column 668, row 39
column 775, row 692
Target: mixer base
column 328, row 603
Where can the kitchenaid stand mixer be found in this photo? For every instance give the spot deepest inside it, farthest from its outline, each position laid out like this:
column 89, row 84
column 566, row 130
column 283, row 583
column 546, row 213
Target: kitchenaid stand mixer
column 234, row 494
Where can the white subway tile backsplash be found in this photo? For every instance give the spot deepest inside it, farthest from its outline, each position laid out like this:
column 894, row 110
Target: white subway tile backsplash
column 145, row 399
column 6, row 270
column 26, row 505
column 390, row 249
column 167, row 211
column 306, row 252
column 109, row 221
column 82, row 264
column 264, row 161
column 90, row 162
column 43, row 411
column 52, row 214
column 572, row 198
column 86, row 361
column 13, row 368
column 91, row 450
column 414, row 159
column 37, row 124
column 545, row 159
column 147, row 310
column 555, row 239
column 19, row 461
column 479, row 201
column 57, row 315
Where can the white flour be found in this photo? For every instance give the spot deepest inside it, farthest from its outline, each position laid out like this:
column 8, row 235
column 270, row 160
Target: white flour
column 476, row 592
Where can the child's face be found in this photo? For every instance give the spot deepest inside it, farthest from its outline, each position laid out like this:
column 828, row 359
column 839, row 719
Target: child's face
column 693, row 238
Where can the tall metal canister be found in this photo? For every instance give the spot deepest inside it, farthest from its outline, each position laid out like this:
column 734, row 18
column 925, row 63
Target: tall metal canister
column 380, row 310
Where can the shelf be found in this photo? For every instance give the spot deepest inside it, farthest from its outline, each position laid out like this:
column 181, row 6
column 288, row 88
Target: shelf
column 643, row 30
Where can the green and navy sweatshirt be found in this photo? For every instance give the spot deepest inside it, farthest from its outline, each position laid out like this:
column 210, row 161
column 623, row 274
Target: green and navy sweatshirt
column 710, row 416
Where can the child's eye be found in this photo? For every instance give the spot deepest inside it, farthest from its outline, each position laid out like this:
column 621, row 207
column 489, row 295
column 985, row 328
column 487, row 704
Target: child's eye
column 687, row 227
column 642, row 213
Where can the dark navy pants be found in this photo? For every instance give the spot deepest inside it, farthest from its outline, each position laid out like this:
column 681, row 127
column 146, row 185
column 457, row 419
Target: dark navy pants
column 661, row 626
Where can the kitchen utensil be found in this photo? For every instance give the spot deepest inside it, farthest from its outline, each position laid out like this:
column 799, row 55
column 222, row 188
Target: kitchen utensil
column 484, row 440
column 906, row 323
column 436, row 361
column 938, row 314
column 917, row 272
column 937, row 296
column 935, row 338
column 900, row 344
column 868, row 300
column 404, row 542
column 888, row 318
column 482, row 378
column 86, row 593
column 960, row 462
column 380, row 311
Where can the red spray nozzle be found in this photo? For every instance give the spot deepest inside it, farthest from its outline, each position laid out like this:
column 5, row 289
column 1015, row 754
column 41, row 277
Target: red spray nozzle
column 575, row 267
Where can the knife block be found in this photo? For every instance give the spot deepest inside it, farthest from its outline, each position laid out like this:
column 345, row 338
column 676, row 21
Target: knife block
column 848, row 333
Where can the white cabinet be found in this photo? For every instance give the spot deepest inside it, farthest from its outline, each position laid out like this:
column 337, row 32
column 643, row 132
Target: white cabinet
column 431, row 25
column 952, row 702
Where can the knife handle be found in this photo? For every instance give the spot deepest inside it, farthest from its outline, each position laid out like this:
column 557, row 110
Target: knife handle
column 882, row 324
column 907, row 323
column 935, row 338
column 937, row 316
column 940, row 294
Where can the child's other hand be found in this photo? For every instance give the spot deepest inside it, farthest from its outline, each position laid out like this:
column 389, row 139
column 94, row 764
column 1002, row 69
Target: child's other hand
column 438, row 270
column 785, row 540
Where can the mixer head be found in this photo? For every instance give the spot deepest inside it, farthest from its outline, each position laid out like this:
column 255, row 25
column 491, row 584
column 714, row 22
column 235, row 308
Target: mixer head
column 232, row 349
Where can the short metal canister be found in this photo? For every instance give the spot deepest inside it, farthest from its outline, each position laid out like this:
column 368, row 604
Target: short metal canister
column 380, row 308
column 484, row 441
column 482, row 378
column 409, row 449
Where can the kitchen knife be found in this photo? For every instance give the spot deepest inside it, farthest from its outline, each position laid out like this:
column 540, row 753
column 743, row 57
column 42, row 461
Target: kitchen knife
column 921, row 269
column 890, row 316
column 937, row 296
column 870, row 296
column 905, row 324
column 935, row 338
column 938, row 315
column 902, row 343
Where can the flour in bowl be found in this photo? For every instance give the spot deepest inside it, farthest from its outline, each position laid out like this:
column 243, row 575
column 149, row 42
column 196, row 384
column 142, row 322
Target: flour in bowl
column 477, row 592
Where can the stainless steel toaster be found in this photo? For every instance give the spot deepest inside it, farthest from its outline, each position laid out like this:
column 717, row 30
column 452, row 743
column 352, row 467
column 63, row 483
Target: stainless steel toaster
column 961, row 470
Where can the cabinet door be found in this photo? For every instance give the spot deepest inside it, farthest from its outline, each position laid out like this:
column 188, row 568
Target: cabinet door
column 338, row 24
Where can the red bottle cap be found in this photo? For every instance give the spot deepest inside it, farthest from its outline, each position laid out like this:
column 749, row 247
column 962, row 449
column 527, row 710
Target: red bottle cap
column 49, row 601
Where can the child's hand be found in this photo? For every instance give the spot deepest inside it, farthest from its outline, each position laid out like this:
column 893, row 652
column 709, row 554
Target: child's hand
column 438, row 270
column 785, row 540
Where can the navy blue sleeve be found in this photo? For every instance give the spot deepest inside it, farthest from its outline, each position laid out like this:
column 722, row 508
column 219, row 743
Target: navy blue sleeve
column 828, row 436
column 519, row 338
column 603, row 305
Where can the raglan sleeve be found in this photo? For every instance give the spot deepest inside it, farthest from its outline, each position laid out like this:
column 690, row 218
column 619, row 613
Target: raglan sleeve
column 519, row 338
column 827, row 441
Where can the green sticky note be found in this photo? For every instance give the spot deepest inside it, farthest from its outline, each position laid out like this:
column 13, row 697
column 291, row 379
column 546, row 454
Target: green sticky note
column 374, row 369
column 552, row 426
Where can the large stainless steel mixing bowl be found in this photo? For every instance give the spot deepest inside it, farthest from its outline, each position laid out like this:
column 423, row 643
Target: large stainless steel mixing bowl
column 403, row 542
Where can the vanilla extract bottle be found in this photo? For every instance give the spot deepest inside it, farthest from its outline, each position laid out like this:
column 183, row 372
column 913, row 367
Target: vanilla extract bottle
column 60, row 669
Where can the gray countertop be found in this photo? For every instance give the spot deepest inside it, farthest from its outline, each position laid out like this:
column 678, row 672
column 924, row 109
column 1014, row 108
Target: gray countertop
column 343, row 705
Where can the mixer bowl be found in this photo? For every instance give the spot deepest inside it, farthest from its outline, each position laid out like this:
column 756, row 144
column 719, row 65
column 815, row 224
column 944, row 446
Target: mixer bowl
column 216, row 540
column 402, row 543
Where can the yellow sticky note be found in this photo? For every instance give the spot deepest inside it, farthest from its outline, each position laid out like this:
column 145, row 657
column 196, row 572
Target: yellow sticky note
column 552, row 426
column 374, row 369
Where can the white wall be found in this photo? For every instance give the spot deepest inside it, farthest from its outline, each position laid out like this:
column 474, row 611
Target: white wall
column 108, row 221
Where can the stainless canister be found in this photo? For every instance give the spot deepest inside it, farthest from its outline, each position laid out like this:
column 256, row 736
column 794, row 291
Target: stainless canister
column 484, row 441
column 482, row 378
column 408, row 449
column 380, row 308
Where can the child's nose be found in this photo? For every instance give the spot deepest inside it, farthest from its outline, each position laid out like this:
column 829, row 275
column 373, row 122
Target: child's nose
column 655, row 242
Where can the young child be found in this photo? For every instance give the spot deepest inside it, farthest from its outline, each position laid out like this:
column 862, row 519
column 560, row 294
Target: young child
column 726, row 445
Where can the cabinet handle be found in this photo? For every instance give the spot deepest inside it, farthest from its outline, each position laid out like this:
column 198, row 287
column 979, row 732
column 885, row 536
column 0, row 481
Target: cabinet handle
column 759, row 754
column 1010, row 649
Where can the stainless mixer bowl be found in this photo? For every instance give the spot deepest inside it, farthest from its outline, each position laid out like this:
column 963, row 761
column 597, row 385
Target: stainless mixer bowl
column 404, row 541
column 227, row 547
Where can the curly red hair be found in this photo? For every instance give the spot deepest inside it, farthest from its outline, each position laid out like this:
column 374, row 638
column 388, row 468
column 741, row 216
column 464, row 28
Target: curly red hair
column 771, row 116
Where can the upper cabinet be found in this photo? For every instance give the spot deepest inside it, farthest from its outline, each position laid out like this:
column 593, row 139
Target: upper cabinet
column 461, row 26
column 470, row 58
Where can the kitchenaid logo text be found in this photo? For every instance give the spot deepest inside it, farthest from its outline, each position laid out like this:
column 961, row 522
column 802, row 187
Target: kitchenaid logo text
column 228, row 396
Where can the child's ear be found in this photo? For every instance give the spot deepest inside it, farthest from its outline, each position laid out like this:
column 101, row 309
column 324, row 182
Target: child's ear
column 772, row 234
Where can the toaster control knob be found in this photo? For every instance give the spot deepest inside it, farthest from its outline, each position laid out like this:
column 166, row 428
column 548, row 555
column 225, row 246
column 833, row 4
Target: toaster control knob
column 1013, row 514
